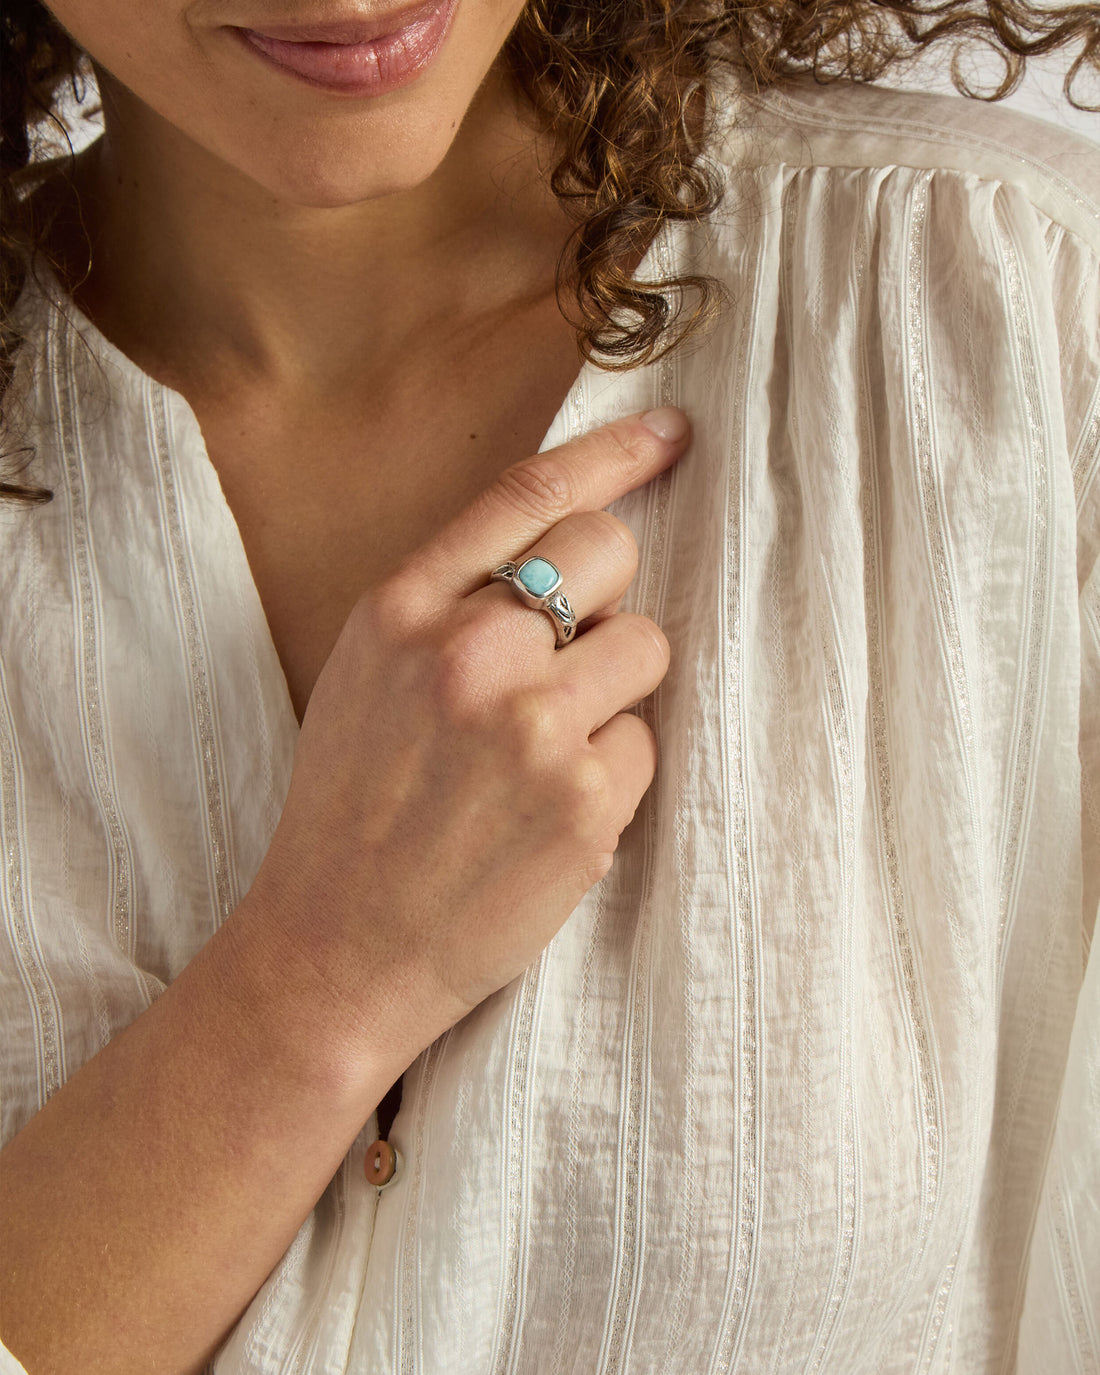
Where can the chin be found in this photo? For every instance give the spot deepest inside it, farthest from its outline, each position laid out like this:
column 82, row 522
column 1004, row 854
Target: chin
column 333, row 182
column 338, row 163
column 302, row 147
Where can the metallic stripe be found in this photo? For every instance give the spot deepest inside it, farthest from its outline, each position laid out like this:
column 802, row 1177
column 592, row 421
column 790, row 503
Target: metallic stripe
column 652, row 579
column 94, row 729
column 879, row 763
column 746, row 1142
column 936, row 1336
column 943, row 579
column 49, row 1046
column 1037, row 611
column 839, row 722
column 301, row 1357
column 926, row 1076
column 934, row 1324
column 838, row 725
column 577, row 1120
column 577, row 424
column 1082, row 1321
column 1086, row 459
column 189, row 615
column 578, row 406
column 688, row 1191
column 633, row 1117
column 1085, row 455
column 407, row 1325
column 840, row 1279
column 936, row 538
column 670, row 392
column 516, row 1170
column 792, row 778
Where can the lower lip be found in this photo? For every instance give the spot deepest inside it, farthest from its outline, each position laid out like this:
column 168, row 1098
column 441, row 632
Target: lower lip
column 383, row 64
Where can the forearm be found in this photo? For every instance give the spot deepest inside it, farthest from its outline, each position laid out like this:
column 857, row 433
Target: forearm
column 142, row 1208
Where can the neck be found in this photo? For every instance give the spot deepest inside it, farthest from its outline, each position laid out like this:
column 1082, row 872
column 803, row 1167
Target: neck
column 187, row 248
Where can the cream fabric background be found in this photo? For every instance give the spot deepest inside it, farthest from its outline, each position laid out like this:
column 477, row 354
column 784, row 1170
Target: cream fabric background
column 784, row 1094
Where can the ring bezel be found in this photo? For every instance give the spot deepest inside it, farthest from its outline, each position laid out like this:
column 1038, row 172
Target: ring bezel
column 554, row 601
column 538, row 600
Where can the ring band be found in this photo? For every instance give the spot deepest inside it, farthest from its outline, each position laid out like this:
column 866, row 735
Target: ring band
column 537, row 583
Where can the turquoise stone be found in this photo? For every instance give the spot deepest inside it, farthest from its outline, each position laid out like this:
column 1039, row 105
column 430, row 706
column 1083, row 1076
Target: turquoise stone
column 538, row 576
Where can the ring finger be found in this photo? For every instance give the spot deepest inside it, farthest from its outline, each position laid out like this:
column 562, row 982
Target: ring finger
column 597, row 557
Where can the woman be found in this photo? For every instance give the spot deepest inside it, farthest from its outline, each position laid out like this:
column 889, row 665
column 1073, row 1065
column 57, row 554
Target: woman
column 298, row 794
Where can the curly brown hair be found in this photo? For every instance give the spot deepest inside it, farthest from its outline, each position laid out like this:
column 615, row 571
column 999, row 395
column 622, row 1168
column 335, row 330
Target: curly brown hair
column 622, row 87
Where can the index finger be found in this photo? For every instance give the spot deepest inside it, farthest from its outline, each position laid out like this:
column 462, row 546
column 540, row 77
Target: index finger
column 528, row 498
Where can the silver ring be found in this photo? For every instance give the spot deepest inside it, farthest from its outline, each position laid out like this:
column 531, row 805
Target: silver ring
column 537, row 583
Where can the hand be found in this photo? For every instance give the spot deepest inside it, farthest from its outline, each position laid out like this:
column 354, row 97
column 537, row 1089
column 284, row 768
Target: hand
column 459, row 784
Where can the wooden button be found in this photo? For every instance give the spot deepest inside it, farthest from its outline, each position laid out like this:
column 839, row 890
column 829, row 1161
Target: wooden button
column 380, row 1163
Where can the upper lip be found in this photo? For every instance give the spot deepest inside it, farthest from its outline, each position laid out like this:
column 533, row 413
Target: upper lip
column 346, row 31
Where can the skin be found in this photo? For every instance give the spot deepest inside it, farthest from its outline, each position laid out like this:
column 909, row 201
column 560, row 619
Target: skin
column 355, row 296
column 275, row 253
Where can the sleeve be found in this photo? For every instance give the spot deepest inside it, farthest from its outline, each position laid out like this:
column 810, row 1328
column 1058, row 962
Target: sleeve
column 1060, row 1321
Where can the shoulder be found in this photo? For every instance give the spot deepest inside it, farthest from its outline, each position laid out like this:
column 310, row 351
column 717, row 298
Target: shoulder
column 945, row 249
column 845, row 124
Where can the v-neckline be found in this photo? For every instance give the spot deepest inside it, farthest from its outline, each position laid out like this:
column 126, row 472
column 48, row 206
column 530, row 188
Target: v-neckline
column 567, row 422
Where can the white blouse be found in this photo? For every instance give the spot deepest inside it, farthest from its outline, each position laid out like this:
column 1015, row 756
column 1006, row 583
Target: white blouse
column 811, row 1081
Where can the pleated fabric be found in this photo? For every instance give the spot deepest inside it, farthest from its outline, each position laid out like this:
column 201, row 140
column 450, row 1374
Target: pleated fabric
column 811, row 1081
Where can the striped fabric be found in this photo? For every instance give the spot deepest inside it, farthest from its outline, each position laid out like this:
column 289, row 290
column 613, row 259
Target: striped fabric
column 811, row 1081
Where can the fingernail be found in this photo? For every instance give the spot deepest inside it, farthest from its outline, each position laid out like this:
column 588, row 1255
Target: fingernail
column 667, row 422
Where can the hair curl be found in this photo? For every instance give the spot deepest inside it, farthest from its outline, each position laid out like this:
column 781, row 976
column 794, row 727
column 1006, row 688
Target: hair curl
column 622, row 87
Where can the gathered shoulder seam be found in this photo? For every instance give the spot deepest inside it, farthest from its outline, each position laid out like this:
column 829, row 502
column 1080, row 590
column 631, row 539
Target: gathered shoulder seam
column 849, row 124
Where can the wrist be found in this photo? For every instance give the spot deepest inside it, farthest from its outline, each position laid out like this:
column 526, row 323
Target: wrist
column 341, row 1013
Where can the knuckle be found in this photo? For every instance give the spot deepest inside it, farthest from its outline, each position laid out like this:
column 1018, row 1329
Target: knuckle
column 539, row 486
column 389, row 609
column 626, row 443
column 588, row 794
column 465, row 675
column 598, row 864
column 644, row 645
column 638, row 743
column 533, row 732
column 648, row 736
column 607, row 530
column 598, row 867
column 658, row 650
column 647, row 748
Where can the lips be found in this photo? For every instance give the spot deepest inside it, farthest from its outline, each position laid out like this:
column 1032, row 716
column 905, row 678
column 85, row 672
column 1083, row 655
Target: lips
column 355, row 57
